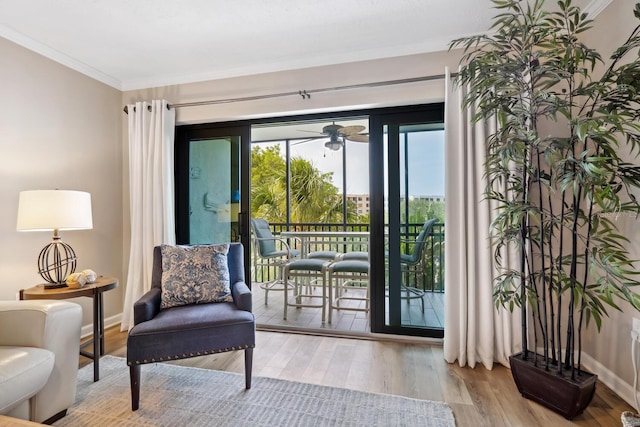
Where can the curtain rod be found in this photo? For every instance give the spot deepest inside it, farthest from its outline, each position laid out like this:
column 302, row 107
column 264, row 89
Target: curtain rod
column 306, row 94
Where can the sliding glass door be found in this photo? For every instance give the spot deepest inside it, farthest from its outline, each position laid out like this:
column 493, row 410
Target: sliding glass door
column 407, row 226
column 387, row 179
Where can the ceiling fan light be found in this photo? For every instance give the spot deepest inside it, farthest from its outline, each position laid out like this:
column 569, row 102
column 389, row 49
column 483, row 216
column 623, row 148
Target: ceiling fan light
column 333, row 144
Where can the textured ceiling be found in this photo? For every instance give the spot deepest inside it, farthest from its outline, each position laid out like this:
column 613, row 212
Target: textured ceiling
column 131, row 44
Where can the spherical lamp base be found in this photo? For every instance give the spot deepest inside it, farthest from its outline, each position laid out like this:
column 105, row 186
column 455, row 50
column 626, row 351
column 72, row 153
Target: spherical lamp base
column 56, row 262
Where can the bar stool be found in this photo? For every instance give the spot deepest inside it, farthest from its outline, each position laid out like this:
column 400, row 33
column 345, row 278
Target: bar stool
column 307, row 269
column 353, row 256
column 354, row 272
column 325, row 255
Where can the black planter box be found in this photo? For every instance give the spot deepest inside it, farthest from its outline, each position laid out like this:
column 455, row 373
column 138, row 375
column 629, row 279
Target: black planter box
column 559, row 393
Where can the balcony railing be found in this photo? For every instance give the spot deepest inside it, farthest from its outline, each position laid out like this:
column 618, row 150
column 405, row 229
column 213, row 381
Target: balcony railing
column 431, row 279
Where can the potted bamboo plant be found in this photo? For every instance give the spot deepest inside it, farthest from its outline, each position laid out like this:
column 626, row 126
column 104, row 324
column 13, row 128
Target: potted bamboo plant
column 561, row 167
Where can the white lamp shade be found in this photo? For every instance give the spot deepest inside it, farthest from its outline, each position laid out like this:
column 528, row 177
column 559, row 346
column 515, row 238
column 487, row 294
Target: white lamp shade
column 42, row 210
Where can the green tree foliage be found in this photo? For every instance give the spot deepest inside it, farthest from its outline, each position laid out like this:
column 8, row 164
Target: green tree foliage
column 268, row 195
column 422, row 210
column 314, row 199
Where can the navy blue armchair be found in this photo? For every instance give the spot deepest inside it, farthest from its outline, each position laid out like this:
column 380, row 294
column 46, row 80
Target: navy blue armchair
column 191, row 330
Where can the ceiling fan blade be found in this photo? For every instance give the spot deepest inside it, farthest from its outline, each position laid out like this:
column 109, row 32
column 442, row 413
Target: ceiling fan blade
column 352, row 133
column 350, row 130
column 358, row 137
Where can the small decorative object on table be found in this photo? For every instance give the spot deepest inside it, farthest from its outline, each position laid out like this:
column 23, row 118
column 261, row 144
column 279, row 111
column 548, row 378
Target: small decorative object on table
column 90, row 274
column 78, row 280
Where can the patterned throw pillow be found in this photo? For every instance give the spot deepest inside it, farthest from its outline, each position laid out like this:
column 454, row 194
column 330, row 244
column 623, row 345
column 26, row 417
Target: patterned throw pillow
column 194, row 275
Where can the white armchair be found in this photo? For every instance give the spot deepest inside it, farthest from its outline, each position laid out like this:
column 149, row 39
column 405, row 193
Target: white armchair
column 39, row 347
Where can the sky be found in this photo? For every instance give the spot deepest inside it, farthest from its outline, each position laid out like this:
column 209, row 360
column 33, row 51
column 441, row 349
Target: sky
column 426, row 163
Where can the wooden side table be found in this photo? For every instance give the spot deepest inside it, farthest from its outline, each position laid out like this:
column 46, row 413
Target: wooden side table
column 6, row 421
column 93, row 290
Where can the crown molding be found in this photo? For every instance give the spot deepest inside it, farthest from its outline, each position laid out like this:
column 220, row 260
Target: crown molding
column 57, row 56
column 594, row 7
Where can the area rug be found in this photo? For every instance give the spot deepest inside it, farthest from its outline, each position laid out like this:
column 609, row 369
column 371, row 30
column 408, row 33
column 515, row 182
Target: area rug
column 172, row 395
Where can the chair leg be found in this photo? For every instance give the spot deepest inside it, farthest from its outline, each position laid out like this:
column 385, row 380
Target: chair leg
column 60, row 415
column 331, row 294
column 134, row 375
column 324, row 295
column 285, row 279
column 248, row 363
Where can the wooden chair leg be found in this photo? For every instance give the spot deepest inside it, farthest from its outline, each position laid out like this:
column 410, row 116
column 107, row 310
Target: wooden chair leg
column 134, row 375
column 248, row 364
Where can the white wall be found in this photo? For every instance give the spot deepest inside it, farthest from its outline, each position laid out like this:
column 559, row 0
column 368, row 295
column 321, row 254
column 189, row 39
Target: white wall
column 611, row 348
column 58, row 129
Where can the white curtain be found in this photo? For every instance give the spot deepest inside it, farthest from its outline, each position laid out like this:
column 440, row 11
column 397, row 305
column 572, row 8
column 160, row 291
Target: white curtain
column 475, row 331
column 151, row 137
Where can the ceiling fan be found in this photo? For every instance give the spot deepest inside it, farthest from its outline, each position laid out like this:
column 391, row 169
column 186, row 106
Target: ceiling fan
column 337, row 134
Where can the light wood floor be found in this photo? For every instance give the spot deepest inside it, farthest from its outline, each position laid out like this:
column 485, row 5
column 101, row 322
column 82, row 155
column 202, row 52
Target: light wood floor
column 478, row 397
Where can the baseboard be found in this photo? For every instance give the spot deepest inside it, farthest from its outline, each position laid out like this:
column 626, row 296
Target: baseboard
column 108, row 322
column 611, row 380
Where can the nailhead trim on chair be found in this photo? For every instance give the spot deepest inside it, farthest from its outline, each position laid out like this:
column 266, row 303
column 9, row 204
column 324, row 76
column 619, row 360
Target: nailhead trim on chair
column 205, row 352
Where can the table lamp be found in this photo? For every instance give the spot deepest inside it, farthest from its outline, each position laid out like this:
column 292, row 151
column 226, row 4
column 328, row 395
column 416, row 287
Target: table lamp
column 47, row 210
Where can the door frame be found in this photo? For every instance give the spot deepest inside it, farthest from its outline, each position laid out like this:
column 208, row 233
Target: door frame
column 429, row 113
column 184, row 134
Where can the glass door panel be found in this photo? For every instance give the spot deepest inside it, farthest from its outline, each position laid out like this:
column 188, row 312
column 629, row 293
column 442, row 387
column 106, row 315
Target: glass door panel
column 212, row 185
column 214, row 191
column 410, row 227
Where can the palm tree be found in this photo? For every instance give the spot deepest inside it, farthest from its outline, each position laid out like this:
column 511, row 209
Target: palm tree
column 313, row 197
